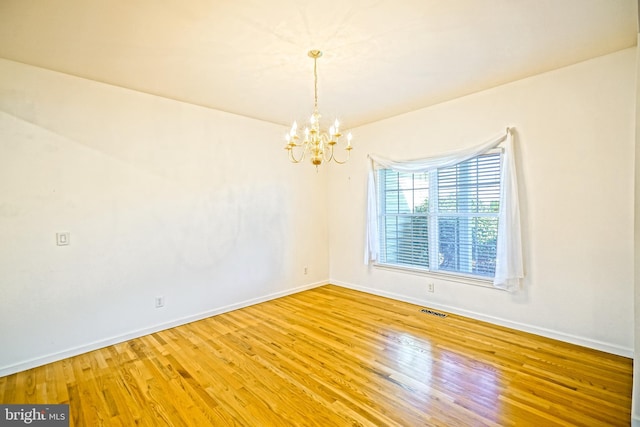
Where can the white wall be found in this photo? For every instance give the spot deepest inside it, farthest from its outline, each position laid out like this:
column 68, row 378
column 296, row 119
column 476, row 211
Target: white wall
column 160, row 198
column 575, row 153
column 166, row 198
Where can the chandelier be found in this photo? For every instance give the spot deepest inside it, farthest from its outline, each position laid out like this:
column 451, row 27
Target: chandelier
column 316, row 143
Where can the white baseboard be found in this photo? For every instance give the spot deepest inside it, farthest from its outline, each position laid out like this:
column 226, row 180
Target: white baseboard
column 95, row 345
column 548, row 333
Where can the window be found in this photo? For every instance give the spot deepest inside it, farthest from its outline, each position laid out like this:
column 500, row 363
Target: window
column 445, row 220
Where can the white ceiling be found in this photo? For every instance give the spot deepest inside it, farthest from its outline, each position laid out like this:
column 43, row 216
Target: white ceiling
column 381, row 57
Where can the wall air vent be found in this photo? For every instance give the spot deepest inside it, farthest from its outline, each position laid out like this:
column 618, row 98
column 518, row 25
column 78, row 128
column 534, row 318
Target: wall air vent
column 433, row 313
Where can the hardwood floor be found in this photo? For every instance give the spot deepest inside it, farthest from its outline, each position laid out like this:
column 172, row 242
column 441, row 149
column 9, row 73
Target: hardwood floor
column 334, row 357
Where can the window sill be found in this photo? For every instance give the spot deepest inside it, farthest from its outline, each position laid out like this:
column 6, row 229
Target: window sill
column 459, row 278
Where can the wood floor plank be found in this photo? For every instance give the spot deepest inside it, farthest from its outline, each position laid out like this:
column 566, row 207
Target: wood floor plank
column 334, row 356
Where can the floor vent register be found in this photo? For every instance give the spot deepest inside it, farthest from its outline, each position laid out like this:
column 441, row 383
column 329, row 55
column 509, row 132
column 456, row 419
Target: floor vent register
column 433, row 313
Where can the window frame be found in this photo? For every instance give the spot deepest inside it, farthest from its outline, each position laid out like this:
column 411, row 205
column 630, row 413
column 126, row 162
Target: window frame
column 433, row 238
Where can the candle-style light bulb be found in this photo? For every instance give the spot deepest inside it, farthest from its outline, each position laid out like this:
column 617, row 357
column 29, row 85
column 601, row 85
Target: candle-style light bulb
column 349, row 137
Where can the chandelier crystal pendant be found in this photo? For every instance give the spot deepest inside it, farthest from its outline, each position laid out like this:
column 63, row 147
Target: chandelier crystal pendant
column 316, row 143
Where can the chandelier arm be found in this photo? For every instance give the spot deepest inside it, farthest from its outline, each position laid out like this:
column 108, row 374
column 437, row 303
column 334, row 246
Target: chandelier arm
column 345, row 160
column 330, row 150
column 292, row 156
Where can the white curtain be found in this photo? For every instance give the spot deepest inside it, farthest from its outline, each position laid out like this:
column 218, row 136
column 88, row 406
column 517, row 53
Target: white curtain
column 509, row 269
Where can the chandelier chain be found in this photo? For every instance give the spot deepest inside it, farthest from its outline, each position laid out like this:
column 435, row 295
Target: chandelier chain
column 315, row 84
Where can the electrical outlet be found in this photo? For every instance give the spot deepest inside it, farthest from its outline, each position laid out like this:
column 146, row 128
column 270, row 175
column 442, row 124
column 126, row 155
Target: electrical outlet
column 306, row 270
column 431, row 287
column 63, row 238
column 159, row 301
